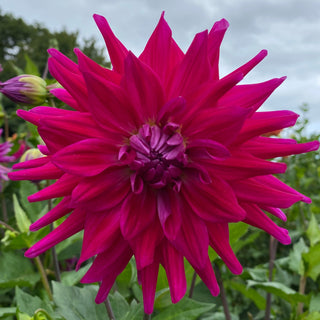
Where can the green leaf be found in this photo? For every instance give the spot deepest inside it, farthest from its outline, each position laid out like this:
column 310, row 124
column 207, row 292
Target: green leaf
column 162, row 299
column 280, row 290
column 8, row 311
column 312, row 260
column 70, row 278
column 313, row 231
column 186, row 309
column 33, row 209
column 28, row 304
column 126, row 279
column 22, row 219
column 296, row 262
column 250, row 293
column 75, row 303
column 16, row 270
column 135, row 312
column 315, row 303
column 31, row 68
column 119, row 304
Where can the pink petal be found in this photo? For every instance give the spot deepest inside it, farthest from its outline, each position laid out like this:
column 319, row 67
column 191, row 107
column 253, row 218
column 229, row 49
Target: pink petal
column 85, row 63
column 192, row 240
column 207, row 149
column 60, row 210
column 145, row 243
column 103, row 191
column 72, row 82
column 250, row 95
column 157, row 51
column 275, row 211
column 172, row 261
column 264, row 122
column 86, row 158
column 247, row 67
column 149, row 276
column 109, row 104
column 143, row 88
column 169, row 212
column 219, row 124
column 73, row 224
column 210, row 203
column 208, row 277
column 137, row 213
column 257, row 218
column 101, row 231
column 66, row 97
column 109, row 263
column 268, row 148
column 173, row 107
column 116, row 49
column 47, row 171
column 260, row 192
column 33, row 163
column 215, row 38
column 219, row 241
column 243, row 165
column 62, row 187
column 64, row 60
column 194, row 68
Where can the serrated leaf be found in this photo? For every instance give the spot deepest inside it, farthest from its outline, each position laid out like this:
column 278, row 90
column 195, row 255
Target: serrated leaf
column 16, row 270
column 75, row 303
column 312, row 260
column 250, row 293
column 22, row 219
column 313, row 231
column 280, row 290
column 70, row 278
column 186, row 309
column 296, row 262
column 119, row 304
column 28, row 304
column 135, row 312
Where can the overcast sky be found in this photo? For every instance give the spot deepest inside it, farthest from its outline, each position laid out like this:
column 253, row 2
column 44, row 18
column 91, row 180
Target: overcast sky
column 288, row 29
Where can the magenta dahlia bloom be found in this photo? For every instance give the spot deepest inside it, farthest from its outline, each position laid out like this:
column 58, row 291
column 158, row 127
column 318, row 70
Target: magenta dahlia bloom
column 159, row 155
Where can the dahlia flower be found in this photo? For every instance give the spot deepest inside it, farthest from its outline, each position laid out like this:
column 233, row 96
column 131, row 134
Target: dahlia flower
column 158, row 156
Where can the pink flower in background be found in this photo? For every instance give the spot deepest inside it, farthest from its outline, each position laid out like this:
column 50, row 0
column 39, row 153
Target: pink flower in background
column 159, row 155
column 5, row 148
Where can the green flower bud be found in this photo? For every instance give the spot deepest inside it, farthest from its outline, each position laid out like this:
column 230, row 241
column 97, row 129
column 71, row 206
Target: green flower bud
column 25, row 89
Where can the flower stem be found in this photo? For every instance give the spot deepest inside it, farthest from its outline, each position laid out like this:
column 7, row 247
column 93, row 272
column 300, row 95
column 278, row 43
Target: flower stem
column 272, row 255
column 193, row 283
column 109, row 309
column 2, row 223
column 44, row 278
column 147, row 316
column 302, row 287
column 222, row 293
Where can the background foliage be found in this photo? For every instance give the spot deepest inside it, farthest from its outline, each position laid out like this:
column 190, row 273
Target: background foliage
column 278, row 282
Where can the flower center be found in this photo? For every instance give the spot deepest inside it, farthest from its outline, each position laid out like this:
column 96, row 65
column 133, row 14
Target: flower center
column 159, row 157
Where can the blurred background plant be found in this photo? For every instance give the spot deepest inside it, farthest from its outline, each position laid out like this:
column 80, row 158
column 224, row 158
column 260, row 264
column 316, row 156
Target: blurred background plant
column 278, row 282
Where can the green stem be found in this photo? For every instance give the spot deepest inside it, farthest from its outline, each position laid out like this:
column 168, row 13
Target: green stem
column 147, row 316
column 193, row 283
column 302, row 287
column 222, row 293
column 272, row 255
column 109, row 309
column 44, row 278
column 2, row 223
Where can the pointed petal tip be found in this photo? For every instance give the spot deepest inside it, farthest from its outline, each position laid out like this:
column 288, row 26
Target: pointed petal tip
column 30, row 253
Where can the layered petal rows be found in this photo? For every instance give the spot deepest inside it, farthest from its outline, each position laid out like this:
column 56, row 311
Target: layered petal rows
column 158, row 156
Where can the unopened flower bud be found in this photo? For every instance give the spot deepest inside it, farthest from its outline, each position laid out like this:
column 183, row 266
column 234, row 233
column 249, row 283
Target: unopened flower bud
column 31, row 154
column 25, row 89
